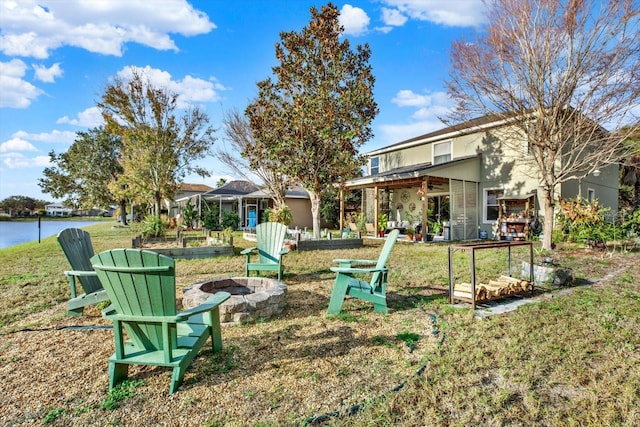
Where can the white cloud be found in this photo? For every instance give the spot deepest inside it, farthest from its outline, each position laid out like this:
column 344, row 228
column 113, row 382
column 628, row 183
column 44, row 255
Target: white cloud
column 47, row 75
column 393, row 17
column 458, row 13
column 16, row 144
column 426, row 118
column 16, row 92
column 32, row 28
column 189, row 89
column 90, row 118
column 408, row 98
column 354, row 20
column 55, row 136
column 20, row 161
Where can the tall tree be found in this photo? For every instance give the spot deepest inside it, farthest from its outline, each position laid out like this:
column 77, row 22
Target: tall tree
column 314, row 116
column 557, row 71
column 83, row 174
column 243, row 145
column 158, row 148
column 630, row 174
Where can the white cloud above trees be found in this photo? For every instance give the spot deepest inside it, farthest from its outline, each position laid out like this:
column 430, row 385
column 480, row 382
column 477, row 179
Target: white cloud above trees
column 33, row 28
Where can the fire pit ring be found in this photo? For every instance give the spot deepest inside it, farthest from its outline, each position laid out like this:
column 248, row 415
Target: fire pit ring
column 252, row 298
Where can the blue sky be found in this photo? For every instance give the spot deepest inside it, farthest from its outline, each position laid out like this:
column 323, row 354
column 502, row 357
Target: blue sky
column 56, row 57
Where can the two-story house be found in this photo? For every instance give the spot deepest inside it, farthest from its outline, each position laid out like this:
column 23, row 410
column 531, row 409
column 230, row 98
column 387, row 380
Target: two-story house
column 460, row 176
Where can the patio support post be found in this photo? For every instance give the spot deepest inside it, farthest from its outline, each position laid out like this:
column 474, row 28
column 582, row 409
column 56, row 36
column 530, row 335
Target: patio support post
column 425, row 204
column 341, row 210
column 376, row 208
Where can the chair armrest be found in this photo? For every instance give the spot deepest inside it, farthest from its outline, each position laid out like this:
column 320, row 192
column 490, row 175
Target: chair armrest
column 80, row 273
column 357, row 270
column 284, row 251
column 212, row 302
column 352, row 262
column 72, row 274
column 248, row 250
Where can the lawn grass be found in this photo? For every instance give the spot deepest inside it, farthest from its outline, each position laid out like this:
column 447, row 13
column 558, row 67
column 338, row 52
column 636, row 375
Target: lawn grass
column 573, row 358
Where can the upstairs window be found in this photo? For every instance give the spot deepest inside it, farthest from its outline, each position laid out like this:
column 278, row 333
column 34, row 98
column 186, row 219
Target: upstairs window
column 441, row 152
column 374, row 166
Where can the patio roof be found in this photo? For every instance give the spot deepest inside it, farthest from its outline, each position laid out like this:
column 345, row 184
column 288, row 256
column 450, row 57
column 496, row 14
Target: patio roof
column 406, row 176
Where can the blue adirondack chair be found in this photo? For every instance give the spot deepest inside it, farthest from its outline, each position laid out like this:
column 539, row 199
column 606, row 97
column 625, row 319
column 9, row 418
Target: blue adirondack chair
column 77, row 247
column 270, row 236
column 347, row 283
column 141, row 286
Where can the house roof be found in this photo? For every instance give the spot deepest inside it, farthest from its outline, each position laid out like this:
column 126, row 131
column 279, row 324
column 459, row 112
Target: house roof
column 234, row 188
column 413, row 174
column 293, row 193
column 197, row 188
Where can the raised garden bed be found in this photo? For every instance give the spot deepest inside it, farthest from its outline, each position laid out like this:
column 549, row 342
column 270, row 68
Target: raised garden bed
column 195, row 252
column 312, row 245
column 179, row 249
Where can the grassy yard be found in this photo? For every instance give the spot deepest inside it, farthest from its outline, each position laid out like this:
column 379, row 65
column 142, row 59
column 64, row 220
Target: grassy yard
column 571, row 358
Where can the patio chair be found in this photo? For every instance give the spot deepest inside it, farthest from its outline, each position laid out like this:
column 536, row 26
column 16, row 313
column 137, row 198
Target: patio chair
column 77, row 247
column 347, row 283
column 141, row 286
column 270, row 237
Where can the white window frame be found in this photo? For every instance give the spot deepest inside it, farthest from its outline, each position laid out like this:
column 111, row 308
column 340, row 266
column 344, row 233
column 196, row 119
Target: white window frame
column 371, row 167
column 485, row 204
column 433, row 152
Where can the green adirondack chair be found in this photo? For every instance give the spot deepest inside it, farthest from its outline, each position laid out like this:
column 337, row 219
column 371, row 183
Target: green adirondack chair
column 347, row 283
column 77, row 247
column 141, row 286
column 270, row 236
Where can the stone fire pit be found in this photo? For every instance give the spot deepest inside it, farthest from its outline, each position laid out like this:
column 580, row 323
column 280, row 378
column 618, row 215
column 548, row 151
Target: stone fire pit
column 252, row 298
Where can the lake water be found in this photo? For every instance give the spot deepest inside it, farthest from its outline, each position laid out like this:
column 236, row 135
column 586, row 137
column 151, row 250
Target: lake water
column 16, row 232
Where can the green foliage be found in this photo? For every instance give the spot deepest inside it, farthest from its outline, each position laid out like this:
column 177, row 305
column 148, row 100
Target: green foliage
column 84, row 175
column 120, row 393
column 382, row 222
column 159, row 149
column 230, row 219
column 189, row 214
column 281, row 214
column 53, row 415
column 582, row 221
column 22, row 205
column 211, row 218
column 361, row 221
column 318, row 109
column 153, row 226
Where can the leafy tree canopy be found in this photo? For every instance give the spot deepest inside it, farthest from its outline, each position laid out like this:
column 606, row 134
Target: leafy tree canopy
column 313, row 117
column 159, row 148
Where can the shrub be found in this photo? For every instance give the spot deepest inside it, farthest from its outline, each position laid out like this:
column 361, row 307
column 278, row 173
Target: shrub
column 582, row 221
column 189, row 214
column 211, row 218
column 230, row 219
column 281, row 214
column 153, row 226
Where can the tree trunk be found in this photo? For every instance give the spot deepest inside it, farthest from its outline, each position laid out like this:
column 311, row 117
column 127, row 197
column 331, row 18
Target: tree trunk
column 315, row 213
column 158, row 204
column 123, row 212
column 549, row 211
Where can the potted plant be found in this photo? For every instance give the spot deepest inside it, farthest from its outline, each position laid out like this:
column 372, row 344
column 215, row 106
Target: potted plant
column 382, row 224
column 410, row 232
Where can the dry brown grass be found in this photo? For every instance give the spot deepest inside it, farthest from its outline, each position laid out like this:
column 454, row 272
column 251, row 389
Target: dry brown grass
column 570, row 359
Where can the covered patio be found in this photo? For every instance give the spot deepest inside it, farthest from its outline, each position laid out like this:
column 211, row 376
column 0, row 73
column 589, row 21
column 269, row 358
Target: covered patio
column 406, row 193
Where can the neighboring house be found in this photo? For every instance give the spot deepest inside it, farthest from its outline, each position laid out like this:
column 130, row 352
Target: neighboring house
column 186, row 192
column 57, row 209
column 250, row 201
column 460, row 174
